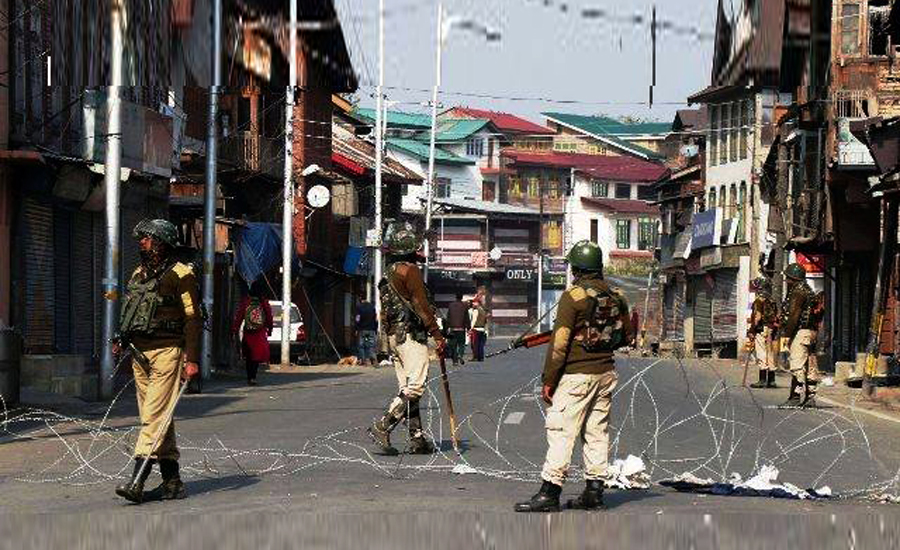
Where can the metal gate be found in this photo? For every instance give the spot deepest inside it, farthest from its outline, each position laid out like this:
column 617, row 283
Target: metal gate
column 63, row 263
column 37, row 220
column 702, row 311
column 83, row 294
column 724, row 306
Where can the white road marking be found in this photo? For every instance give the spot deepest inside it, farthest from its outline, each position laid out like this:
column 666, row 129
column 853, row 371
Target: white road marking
column 514, row 418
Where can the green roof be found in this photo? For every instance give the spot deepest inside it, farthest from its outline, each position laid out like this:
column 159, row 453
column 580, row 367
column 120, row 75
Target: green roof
column 397, row 119
column 419, row 150
column 614, row 131
column 451, row 130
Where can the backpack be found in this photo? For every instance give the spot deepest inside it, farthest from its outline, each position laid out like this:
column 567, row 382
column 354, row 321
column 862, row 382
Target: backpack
column 603, row 330
column 254, row 317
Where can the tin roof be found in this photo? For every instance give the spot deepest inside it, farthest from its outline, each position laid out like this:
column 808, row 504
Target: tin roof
column 451, row 130
column 358, row 156
column 420, row 150
column 396, row 119
column 614, row 132
column 623, row 206
column 505, row 122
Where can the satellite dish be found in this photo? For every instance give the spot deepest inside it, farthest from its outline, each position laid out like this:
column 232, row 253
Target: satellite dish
column 318, row 196
column 495, row 254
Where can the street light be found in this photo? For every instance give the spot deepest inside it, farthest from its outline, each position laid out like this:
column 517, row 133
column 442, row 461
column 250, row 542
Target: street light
column 444, row 26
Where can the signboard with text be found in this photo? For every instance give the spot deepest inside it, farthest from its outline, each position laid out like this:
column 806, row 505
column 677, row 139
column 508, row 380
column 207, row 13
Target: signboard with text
column 706, row 229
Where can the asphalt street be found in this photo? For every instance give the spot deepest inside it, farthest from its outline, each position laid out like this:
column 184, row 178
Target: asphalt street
column 295, row 444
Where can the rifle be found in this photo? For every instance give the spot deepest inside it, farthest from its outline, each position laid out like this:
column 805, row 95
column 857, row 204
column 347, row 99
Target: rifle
column 527, row 342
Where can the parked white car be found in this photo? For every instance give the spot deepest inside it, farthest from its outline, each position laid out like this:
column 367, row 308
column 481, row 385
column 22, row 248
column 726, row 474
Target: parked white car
column 297, row 334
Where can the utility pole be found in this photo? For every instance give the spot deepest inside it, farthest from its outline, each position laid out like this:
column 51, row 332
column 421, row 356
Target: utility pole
column 113, row 166
column 287, row 217
column 540, row 262
column 209, row 193
column 568, row 214
column 379, row 150
column 434, row 105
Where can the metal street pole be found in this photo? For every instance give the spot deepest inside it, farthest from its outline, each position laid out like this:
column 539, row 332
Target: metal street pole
column 113, row 166
column 540, row 263
column 209, row 193
column 429, row 190
column 287, row 218
column 568, row 214
column 379, row 149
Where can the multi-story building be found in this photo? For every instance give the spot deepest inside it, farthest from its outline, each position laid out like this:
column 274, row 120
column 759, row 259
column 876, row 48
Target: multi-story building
column 600, row 135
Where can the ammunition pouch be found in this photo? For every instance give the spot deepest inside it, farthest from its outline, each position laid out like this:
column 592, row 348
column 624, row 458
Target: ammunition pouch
column 142, row 307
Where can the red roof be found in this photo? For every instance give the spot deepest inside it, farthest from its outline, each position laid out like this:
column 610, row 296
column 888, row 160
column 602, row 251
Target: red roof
column 617, row 168
column 504, row 122
column 623, row 206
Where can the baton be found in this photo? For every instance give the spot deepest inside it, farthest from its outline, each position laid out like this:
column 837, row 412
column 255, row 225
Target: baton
column 446, row 382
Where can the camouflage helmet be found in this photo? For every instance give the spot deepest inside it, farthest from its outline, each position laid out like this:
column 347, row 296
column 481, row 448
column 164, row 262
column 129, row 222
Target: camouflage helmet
column 761, row 285
column 401, row 238
column 586, row 256
column 795, row 272
column 163, row 230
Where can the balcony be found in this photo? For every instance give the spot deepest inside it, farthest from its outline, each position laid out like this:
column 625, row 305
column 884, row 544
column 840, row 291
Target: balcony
column 254, row 153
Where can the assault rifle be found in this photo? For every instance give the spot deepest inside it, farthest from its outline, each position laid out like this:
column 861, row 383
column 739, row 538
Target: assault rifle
column 527, row 342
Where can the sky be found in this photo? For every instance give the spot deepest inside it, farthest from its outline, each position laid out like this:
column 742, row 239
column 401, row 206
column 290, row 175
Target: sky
column 603, row 66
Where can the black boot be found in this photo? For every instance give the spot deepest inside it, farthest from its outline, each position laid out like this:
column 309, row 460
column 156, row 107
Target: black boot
column 770, row 379
column 171, row 488
column 546, row 500
column 761, row 383
column 794, row 397
column 133, row 491
column 590, row 499
column 380, row 431
column 418, row 443
column 809, row 395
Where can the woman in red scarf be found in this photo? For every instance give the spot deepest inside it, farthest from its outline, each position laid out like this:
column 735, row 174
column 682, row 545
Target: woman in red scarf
column 255, row 315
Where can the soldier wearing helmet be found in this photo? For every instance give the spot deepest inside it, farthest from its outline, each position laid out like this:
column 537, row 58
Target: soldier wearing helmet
column 798, row 327
column 761, row 330
column 579, row 377
column 160, row 322
column 407, row 318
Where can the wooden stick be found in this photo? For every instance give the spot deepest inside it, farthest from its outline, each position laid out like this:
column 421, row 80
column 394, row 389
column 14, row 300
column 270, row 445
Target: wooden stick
column 446, row 382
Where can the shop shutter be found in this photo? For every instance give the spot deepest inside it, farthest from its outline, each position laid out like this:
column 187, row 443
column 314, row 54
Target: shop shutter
column 62, row 271
column 674, row 311
column 83, row 289
column 702, row 312
column 37, row 222
column 130, row 251
column 724, row 306
column 100, row 251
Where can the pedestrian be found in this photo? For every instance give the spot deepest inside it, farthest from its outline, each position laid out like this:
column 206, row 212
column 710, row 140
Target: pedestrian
column 408, row 318
column 579, row 377
column 457, row 324
column 799, row 321
column 478, row 318
column 761, row 330
column 160, row 323
column 254, row 316
column 367, row 332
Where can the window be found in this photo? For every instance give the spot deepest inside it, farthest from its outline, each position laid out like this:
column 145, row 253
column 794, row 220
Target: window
column 553, row 235
column 595, row 231
column 850, row 28
column 646, row 193
column 713, row 135
column 735, row 130
column 724, row 122
column 534, row 186
column 442, row 188
column 490, row 159
column 553, row 189
column 711, row 203
column 475, row 147
column 732, row 204
column 742, row 200
column 723, row 199
column 623, row 234
column 599, row 189
column 647, row 231
column 623, row 190
column 745, row 128
column 514, row 183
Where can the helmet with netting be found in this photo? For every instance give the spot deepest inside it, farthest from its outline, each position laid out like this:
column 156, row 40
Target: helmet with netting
column 795, row 272
column 163, row 230
column 401, row 238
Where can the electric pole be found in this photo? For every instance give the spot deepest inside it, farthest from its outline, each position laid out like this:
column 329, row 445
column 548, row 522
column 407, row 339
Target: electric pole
column 379, row 149
column 429, row 190
column 113, row 167
column 209, row 193
column 287, row 218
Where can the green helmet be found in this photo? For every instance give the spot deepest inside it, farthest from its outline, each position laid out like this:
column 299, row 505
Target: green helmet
column 401, row 238
column 164, row 230
column 795, row 272
column 587, row 256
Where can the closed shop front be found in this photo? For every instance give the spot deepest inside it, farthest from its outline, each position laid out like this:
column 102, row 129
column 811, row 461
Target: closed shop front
column 724, row 305
column 673, row 311
column 702, row 300
column 36, row 283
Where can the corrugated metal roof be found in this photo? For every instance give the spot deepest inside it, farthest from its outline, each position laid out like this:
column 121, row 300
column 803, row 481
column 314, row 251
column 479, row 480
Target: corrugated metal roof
column 419, row 150
column 362, row 153
column 613, row 168
column 487, row 207
column 624, row 206
column 451, row 130
column 505, row 122
column 614, row 132
column 396, row 119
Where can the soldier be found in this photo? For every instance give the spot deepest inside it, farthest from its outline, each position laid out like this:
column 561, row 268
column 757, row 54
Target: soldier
column 407, row 318
column 798, row 327
column 578, row 380
column 763, row 322
column 160, row 323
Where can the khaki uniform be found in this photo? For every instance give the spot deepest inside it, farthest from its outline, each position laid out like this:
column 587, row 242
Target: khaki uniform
column 799, row 327
column 583, row 383
column 763, row 319
column 157, row 371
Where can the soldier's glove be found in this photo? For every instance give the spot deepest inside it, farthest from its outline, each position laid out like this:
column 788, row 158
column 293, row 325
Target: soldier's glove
column 441, row 348
column 190, row 371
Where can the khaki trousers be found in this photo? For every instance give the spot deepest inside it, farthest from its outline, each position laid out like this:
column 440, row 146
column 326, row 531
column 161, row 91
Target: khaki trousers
column 157, row 384
column 803, row 369
column 580, row 409
column 765, row 355
column 410, row 365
